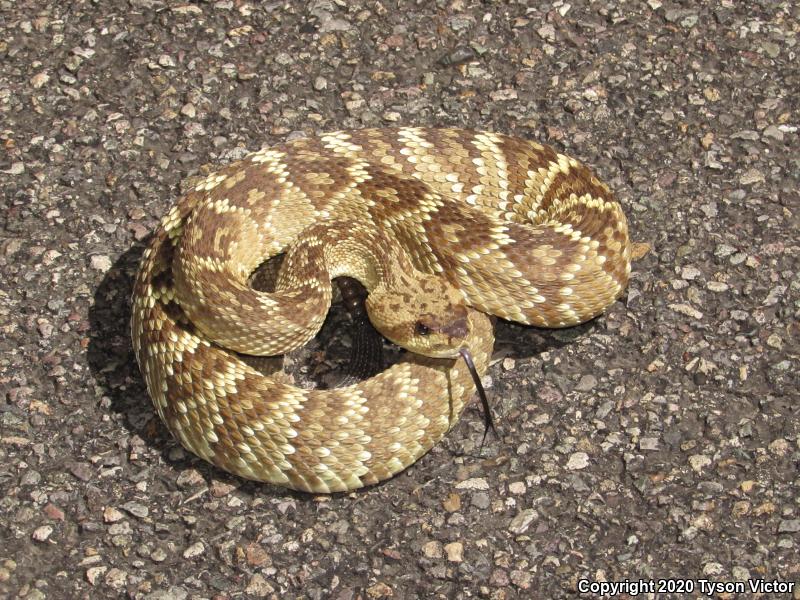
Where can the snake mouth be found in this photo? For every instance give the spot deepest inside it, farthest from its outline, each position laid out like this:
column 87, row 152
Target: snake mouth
column 488, row 420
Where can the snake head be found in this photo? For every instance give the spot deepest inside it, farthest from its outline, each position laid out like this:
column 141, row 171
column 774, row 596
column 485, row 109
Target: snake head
column 425, row 315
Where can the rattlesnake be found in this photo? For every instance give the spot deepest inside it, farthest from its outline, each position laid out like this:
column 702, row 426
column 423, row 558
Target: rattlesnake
column 443, row 225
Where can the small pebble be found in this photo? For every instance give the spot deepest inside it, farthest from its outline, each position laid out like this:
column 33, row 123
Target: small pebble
column 454, row 551
column 432, row 550
column 520, row 523
column 194, row 550
column 577, row 461
column 43, row 533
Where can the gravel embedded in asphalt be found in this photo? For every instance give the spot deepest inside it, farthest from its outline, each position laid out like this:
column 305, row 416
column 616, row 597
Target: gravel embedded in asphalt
column 661, row 440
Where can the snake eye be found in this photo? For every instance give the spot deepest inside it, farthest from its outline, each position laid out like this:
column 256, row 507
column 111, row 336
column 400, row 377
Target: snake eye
column 421, row 329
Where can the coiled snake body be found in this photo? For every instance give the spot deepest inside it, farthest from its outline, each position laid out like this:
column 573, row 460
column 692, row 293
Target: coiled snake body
column 441, row 226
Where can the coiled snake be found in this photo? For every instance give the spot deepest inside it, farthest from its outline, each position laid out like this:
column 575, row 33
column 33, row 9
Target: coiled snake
column 441, row 225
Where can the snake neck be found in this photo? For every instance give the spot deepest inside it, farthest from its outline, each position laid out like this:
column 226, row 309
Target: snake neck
column 421, row 312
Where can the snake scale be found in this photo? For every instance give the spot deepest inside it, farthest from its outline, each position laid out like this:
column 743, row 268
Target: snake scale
column 442, row 226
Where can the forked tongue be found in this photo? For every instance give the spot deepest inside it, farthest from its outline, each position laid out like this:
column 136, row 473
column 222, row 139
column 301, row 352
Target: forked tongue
column 488, row 421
